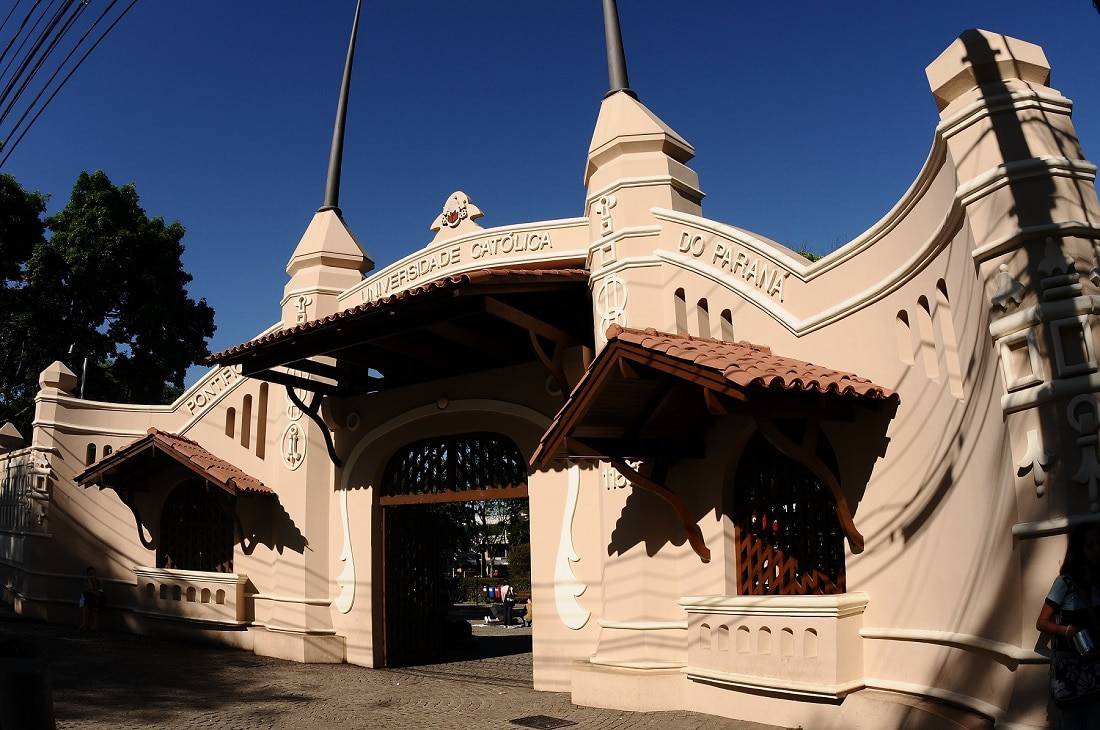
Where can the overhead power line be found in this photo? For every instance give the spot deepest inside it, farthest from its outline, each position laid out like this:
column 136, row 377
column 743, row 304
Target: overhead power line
column 48, row 40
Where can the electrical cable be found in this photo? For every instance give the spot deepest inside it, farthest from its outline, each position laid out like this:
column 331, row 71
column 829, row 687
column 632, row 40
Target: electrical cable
column 34, row 49
column 11, row 148
column 60, row 66
column 26, row 38
column 8, row 16
column 19, row 30
column 10, row 105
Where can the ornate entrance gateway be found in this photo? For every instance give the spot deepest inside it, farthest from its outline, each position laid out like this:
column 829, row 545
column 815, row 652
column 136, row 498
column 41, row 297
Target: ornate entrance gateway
column 419, row 479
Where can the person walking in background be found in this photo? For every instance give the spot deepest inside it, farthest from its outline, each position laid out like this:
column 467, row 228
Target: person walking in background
column 89, row 601
column 508, row 595
column 1069, row 616
column 529, row 612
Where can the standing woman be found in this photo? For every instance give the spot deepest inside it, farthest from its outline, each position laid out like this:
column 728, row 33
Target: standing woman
column 1071, row 615
column 89, row 600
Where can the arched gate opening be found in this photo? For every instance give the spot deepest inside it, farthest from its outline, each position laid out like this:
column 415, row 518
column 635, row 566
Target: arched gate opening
column 453, row 507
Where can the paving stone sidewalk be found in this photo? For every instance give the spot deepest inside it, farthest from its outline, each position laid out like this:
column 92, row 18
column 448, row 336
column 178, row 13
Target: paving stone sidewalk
column 114, row 680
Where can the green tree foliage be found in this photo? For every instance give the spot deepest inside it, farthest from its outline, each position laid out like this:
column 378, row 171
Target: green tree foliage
column 21, row 231
column 107, row 284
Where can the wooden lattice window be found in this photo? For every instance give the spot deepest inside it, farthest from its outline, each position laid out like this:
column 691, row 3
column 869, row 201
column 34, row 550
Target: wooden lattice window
column 461, row 463
column 196, row 529
column 789, row 540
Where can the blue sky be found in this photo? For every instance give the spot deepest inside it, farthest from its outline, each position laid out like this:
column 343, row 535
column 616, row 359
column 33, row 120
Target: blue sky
column 809, row 119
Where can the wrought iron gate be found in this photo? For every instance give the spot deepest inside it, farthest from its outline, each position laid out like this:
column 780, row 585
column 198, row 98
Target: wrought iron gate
column 416, row 598
column 420, row 477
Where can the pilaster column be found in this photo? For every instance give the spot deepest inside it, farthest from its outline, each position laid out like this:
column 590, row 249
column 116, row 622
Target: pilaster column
column 1031, row 212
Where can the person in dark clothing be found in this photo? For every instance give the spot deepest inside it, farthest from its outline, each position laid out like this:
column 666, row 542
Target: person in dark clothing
column 1072, row 608
column 89, row 601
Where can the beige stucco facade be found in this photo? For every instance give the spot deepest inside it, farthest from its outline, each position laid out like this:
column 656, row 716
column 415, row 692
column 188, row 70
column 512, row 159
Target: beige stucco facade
column 974, row 298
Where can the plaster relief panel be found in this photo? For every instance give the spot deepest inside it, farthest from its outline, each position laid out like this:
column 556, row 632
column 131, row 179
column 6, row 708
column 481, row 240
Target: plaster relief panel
column 602, row 208
column 1021, row 364
column 1083, row 415
column 293, row 446
column 610, row 304
column 1008, row 292
column 567, row 589
column 1036, row 461
column 1074, row 350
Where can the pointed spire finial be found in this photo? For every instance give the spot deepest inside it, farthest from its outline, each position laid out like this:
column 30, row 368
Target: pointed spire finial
column 336, row 154
column 616, row 56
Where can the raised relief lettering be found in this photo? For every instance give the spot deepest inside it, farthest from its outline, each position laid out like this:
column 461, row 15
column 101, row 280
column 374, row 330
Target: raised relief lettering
column 436, row 263
column 727, row 256
column 211, row 389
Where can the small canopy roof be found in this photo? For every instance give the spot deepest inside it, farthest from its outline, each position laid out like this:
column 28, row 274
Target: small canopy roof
column 453, row 325
column 650, row 395
column 647, row 392
column 134, row 462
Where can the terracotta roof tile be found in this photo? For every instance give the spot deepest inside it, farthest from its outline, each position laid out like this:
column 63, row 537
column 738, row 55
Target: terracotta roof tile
column 743, row 364
column 500, row 276
column 217, row 470
column 747, row 365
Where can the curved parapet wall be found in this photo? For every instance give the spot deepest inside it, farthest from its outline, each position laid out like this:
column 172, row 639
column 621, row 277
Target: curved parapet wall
column 974, row 298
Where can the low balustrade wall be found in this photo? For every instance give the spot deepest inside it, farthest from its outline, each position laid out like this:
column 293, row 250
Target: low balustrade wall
column 804, row 645
column 212, row 598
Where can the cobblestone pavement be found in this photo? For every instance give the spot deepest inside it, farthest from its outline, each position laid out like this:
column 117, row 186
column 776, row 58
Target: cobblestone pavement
column 113, row 680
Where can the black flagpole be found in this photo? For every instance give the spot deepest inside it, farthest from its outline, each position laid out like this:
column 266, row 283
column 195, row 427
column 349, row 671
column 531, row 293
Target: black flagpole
column 616, row 56
column 336, row 154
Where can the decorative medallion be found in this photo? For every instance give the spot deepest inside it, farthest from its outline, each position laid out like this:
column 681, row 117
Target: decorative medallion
column 458, row 215
column 610, row 303
column 293, row 446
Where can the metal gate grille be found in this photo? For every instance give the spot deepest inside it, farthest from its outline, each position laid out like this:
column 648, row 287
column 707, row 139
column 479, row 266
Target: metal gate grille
column 789, row 540
column 196, row 529
column 462, row 463
column 416, row 594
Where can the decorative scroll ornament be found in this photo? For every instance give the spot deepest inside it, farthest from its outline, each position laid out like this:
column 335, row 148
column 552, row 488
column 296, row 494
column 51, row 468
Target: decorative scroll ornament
column 1087, row 425
column 1036, row 461
column 1009, row 290
column 294, row 446
column 567, row 589
column 346, row 581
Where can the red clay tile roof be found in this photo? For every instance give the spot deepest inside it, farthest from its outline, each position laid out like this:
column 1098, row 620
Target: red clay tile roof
column 189, row 453
column 743, row 365
column 747, row 365
column 480, row 276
